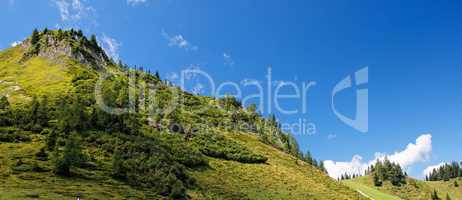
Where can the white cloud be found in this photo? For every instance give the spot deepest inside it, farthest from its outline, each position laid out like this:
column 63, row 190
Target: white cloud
column 429, row 169
column 111, row 47
column 135, row 2
column 73, row 10
column 15, row 43
column 178, row 41
column 412, row 154
column 228, row 59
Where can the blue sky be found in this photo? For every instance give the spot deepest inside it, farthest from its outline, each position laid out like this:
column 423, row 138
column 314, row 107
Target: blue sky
column 412, row 50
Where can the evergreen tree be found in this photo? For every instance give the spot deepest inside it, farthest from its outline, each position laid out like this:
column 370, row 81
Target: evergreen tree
column 35, row 37
column 118, row 169
column 5, row 112
column 42, row 112
column 93, row 41
column 51, row 139
column 4, row 103
column 70, row 157
column 308, row 158
column 322, row 167
column 157, row 75
column 377, row 181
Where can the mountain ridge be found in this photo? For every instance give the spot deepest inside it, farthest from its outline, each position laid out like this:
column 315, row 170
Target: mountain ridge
column 53, row 127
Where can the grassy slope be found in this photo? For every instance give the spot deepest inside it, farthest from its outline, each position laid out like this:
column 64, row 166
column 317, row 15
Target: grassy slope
column 414, row 190
column 280, row 178
column 21, row 185
column 35, row 76
column 371, row 192
column 447, row 187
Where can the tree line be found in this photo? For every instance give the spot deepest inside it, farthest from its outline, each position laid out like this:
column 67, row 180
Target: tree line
column 445, row 172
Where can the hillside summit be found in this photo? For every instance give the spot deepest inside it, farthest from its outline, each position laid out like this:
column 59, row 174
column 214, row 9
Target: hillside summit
column 60, row 143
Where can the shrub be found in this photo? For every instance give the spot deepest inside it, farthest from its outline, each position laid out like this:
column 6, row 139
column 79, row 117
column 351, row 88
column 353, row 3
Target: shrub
column 70, row 157
column 218, row 146
column 14, row 136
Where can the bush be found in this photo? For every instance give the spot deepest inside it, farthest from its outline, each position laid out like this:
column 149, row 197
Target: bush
column 149, row 163
column 12, row 135
column 70, row 157
column 42, row 155
column 218, row 146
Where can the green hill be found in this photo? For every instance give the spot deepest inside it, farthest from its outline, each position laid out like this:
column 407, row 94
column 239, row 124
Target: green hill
column 58, row 142
column 413, row 190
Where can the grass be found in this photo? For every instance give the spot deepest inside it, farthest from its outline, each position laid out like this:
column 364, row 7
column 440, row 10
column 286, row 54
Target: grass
column 368, row 191
column 46, row 185
column 414, row 189
column 280, row 178
column 447, row 187
column 36, row 76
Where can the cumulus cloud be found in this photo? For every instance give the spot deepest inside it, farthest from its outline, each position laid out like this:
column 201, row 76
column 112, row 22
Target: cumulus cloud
column 412, row 154
column 111, row 47
column 228, row 59
column 429, row 169
column 178, row 41
column 135, row 2
column 73, row 10
column 15, row 43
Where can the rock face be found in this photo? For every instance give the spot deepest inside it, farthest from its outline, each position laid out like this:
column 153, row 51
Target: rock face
column 55, row 44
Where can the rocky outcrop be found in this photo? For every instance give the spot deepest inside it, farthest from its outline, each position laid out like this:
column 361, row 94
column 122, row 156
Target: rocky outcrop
column 55, row 44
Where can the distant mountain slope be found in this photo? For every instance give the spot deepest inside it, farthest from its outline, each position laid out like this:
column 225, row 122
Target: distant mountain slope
column 413, row 190
column 58, row 143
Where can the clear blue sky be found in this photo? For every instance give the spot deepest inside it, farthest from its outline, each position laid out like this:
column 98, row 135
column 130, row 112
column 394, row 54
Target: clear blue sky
column 413, row 51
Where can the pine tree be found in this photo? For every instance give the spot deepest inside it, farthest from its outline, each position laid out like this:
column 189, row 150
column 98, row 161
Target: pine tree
column 71, row 156
column 5, row 112
column 4, row 103
column 157, row 75
column 35, row 37
column 377, row 181
column 118, row 169
column 51, row 139
column 42, row 112
column 93, row 41
column 322, row 167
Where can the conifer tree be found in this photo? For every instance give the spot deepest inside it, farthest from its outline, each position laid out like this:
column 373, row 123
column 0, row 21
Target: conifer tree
column 35, row 37
column 70, row 157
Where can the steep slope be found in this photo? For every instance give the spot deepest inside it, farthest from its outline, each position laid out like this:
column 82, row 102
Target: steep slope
column 282, row 177
column 59, row 143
